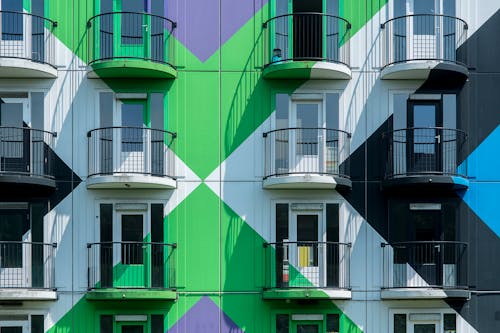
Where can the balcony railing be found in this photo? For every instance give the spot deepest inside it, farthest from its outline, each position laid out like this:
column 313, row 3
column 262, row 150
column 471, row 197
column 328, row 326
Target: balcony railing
column 131, row 265
column 439, row 264
column 27, row 265
column 425, row 151
column 27, row 36
column 307, row 265
column 306, row 36
column 423, row 37
column 26, row 151
column 129, row 35
column 130, row 150
column 320, row 151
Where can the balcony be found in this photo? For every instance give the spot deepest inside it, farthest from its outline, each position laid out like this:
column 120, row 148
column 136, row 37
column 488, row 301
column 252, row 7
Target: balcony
column 131, row 45
column 306, row 46
column 130, row 158
column 131, row 271
column 307, row 270
column 426, row 157
column 413, row 45
column 26, row 159
column 306, row 158
column 27, row 46
column 425, row 270
column 27, row 271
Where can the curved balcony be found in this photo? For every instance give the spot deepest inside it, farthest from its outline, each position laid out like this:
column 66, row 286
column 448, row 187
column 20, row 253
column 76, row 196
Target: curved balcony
column 27, row 46
column 306, row 158
column 27, row 271
column 131, row 45
column 130, row 158
column 306, row 46
column 131, row 271
column 413, row 45
column 26, row 159
column 426, row 157
column 424, row 270
column 307, row 270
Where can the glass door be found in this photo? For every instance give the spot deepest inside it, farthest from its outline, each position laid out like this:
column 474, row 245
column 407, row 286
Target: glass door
column 132, row 270
column 307, row 29
column 131, row 327
column 424, row 137
column 15, row 255
column 424, row 327
column 307, row 327
column 15, row 147
column 306, row 253
column 306, row 150
column 134, row 29
column 14, row 326
column 132, row 139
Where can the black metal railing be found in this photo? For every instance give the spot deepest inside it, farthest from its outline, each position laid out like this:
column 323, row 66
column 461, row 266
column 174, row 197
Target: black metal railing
column 27, row 265
column 129, row 35
column 130, row 150
column 425, row 151
column 307, row 265
column 27, row 36
column 306, row 36
column 134, row 265
column 437, row 264
column 26, row 151
column 423, row 37
column 321, row 151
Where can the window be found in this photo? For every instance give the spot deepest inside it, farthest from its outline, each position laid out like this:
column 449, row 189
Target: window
column 305, row 323
column 136, row 323
column 422, row 321
column 332, row 323
column 21, row 323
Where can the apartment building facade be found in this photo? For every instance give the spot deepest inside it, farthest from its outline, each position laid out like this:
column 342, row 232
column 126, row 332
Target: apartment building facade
column 249, row 166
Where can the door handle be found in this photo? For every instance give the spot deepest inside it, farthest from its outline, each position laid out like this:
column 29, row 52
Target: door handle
column 438, row 138
column 145, row 26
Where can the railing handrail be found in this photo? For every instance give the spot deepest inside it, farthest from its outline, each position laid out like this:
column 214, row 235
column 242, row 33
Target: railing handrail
column 265, row 134
column 172, row 134
column 173, row 23
column 54, row 23
column 172, row 245
column 424, row 243
column 308, row 242
column 382, row 26
column 426, row 128
column 26, row 242
column 54, row 134
column 348, row 24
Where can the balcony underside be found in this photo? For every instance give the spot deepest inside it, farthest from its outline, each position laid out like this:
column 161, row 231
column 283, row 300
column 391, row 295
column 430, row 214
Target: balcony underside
column 421, row 69
column 25, row 69
column 25, row 184
column 130, row 181
column 306, row 181
column 306, row 293
column 426, row 182
column 307, row 70
column 20, row 294
column 424, row 293
column 131, row 295
column 131, row 68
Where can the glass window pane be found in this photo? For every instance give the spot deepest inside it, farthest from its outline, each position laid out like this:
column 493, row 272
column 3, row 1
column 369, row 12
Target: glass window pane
column 106, row 324
column 424, row 328
column 157, row 324
column 18, row 329
column 282, row 323
column 333, row 323
column 399, row 323
column 37, row 324
column 133, row 118
column 307, row 328
column 450, row 323
column 132, row 329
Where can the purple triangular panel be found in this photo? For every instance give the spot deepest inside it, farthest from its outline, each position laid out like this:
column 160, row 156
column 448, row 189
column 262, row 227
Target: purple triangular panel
column 199, row 22
column 205, row 317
